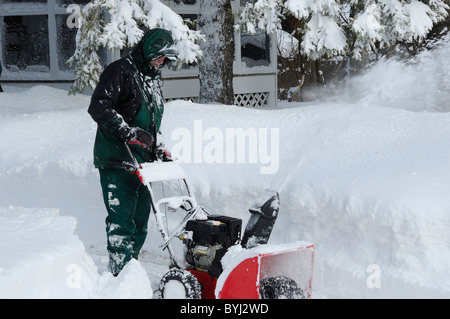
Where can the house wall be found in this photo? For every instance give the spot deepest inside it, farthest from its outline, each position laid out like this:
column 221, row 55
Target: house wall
column 38, row 36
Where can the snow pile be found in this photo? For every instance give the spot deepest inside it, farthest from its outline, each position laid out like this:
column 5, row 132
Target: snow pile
column 42, row 258
column 132, row 282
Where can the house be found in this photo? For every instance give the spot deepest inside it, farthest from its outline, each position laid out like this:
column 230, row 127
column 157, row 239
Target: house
column 38, row 36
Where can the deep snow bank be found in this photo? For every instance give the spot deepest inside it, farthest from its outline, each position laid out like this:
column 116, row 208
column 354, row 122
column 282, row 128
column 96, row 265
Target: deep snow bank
column 367, row 185
column 42, row 258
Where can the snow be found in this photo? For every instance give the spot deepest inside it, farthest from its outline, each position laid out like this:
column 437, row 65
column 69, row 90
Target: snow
column 364, row 177
column 323, row 34
column 287, row 44
column 421, row 17
column 159, row 171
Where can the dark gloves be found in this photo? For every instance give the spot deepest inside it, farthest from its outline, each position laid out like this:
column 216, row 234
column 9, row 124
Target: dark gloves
column 124, row 133
column 163, row 154
column 135, row 136
column 142, row 138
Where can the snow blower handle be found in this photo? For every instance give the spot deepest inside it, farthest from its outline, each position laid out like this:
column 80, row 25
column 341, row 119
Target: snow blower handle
column 133, row 159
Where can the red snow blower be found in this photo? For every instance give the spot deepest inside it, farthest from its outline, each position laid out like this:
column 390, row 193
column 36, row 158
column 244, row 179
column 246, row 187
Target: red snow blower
column 219, row 263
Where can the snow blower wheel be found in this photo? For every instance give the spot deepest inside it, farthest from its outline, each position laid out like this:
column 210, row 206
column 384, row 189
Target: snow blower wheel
column 179, row 284
column 280, row 287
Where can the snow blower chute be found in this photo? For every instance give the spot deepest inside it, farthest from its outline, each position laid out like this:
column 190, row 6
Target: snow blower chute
column 218, row 262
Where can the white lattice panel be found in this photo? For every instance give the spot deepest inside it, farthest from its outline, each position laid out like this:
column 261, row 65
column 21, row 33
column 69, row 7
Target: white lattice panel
column 251, row 99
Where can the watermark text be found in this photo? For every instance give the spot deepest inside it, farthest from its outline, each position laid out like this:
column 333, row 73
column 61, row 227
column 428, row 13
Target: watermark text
column 230, row 145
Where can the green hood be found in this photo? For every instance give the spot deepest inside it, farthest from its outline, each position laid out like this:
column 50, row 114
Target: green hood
column 153, row 45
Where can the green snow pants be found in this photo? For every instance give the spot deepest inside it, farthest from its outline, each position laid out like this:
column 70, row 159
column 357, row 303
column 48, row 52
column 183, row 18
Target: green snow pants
column 128, row 205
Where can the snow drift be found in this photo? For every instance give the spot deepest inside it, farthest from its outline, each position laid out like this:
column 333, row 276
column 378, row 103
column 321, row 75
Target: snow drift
column 44, row 259
column 364, row 178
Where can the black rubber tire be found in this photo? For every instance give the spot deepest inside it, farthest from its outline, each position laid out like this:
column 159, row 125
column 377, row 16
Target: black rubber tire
column 172, row 284
column 280, row 287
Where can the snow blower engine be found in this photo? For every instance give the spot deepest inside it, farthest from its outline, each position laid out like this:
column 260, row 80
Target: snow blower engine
column 207, row 241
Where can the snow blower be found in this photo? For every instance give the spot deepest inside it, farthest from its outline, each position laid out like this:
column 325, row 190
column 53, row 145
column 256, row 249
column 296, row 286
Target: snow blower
column 218, row 263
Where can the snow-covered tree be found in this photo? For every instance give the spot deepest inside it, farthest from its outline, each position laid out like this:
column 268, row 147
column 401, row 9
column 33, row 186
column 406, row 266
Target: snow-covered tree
column 117, row 24
column 85, row 59
column 347, row 27
column 331, row 33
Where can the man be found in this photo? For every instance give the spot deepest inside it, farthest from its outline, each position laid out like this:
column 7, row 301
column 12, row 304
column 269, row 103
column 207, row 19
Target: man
column 128, row 107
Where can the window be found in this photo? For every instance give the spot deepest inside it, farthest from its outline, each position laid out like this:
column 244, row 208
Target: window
column 65, row 3
column 26, row 43
column 65, row 41
column 255, row 49
column 189, row 2
column 35, row 1
column 36, row 40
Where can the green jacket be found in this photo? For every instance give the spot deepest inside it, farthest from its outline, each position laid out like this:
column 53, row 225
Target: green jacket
column 129, row 93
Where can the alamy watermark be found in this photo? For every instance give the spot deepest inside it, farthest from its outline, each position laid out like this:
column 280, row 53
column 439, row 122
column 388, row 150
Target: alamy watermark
column 259, row 146
column 73, row 20
column 374, row 278
column 74, row 278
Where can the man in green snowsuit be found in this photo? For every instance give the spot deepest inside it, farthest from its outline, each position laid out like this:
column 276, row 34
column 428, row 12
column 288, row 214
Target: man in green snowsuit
column 128, row 107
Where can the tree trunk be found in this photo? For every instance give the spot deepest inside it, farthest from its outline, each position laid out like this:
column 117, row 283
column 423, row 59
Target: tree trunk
column 216, row 67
